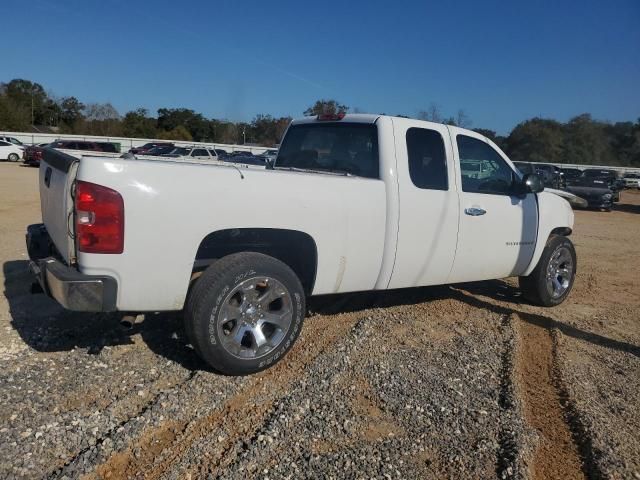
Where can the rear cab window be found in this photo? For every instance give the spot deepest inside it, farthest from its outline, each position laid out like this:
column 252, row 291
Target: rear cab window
column 338, row 147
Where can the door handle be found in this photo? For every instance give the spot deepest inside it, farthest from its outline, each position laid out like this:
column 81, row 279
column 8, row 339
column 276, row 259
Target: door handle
column 474, row 211
column 47, row 177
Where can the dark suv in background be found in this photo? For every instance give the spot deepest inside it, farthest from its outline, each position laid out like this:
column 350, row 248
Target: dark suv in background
column 550, row 174
column 84, row 145
column 148, row 146
column 615, row 183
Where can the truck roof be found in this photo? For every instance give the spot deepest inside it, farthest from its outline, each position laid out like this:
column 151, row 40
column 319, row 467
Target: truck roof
column 349, row 117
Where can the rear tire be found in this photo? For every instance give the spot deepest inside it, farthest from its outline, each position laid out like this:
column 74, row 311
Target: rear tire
column 244, row 313
column 13, row 157
column 550, row 283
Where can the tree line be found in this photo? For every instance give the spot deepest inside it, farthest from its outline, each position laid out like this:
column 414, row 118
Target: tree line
column 581, row 140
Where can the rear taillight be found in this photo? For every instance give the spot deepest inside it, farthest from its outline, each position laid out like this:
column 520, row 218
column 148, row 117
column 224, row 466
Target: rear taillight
column 99, row 219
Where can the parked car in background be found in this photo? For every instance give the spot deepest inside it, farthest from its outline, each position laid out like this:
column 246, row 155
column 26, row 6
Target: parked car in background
column 148, row 146
column 247, row 158
column 222, row 154
column 33, row 154
column 550, row 174
column 10, row 151
column 269, row 155
column 159, row 150
column 83, row 145
column 241, row 153
column 12, row 140
column 596, row 191
column 570, row 173
column 614, row 182
column 631, row 180
column 200, row 153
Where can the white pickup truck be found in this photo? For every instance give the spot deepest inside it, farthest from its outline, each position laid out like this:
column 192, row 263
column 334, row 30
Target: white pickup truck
column 353, row 203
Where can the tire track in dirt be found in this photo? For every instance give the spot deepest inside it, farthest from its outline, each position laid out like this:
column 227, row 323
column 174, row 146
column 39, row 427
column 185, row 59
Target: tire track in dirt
column 556, row 455
column 237, row 420
column 508, row 451
column 60, row 471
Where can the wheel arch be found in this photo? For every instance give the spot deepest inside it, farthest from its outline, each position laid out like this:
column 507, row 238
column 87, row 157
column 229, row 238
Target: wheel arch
column 564, row 231
column 294, row 248
column 555, row 217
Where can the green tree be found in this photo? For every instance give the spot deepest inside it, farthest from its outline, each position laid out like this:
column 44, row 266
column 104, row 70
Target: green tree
column 493, row 136
column 197, row 126
column 70, row 110
column 268, row 131
column 177, row 133
column 586, row 142
column 536, row 140
column 328, row 107
column 29, row 98
column 138, row 124
column 12, row 117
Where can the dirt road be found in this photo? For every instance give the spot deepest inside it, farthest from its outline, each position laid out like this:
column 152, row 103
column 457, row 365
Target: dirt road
column 463, row 381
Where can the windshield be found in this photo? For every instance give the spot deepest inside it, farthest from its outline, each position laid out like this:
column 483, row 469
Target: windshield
column 332, row 147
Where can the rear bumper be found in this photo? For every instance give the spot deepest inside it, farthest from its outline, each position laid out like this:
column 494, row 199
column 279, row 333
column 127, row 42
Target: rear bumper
column 70, row 288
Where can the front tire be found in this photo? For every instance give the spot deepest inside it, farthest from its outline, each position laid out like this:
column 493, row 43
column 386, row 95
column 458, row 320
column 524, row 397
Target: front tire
column 244, row 313
column 13, row 157
column 550, row 283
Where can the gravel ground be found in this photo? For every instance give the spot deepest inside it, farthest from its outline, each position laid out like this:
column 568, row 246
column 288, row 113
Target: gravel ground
column 461, row 381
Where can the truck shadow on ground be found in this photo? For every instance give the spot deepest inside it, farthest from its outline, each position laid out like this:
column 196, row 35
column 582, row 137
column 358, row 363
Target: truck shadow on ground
column 46, row 327
column 503, row 292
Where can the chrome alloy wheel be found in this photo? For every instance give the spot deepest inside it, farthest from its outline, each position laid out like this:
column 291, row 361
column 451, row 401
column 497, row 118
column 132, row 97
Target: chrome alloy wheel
column 254, row 317
column 559, row 272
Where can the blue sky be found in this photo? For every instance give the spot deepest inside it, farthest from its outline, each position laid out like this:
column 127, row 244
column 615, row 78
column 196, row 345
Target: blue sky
column 500, row 61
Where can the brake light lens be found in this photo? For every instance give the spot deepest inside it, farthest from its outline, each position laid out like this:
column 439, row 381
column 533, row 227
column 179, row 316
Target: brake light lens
column 99, row 219
column 331, row 116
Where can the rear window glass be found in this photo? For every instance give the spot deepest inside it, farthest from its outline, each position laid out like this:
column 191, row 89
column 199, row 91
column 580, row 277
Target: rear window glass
column 427, row 159
column 333, row 147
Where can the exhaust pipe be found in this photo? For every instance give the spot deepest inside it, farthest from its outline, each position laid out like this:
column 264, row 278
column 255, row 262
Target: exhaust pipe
column 128, row 321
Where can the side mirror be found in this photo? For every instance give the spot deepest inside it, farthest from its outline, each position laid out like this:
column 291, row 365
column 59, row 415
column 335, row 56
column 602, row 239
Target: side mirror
column 532, row 183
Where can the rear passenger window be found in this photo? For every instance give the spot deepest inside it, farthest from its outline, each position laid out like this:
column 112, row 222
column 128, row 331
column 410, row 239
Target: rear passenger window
column 427, row 159
column 200, row 152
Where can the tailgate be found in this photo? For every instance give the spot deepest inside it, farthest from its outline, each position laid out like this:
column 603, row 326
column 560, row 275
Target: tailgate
column 57, row 174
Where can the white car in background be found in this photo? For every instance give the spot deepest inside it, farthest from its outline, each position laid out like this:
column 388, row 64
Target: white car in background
column 13, row 140
column 200, row 153
column 631, row 180
column 11, row 152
